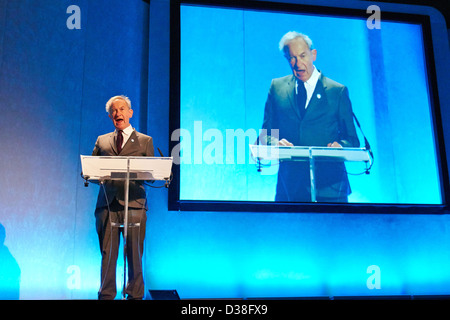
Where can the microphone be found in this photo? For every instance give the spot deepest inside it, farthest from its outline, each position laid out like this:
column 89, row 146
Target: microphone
column 166, row 184
column 86, row 182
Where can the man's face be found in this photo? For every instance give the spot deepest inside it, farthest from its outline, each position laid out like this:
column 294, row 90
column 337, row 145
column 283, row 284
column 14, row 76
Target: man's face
column 120, row 114
column 301, row 58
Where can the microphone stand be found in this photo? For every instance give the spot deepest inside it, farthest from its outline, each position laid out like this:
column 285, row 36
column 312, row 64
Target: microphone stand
column 125, row 228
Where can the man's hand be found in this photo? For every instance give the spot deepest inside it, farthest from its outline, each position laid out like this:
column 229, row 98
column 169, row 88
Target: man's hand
column 285, row 143
column 334, row 145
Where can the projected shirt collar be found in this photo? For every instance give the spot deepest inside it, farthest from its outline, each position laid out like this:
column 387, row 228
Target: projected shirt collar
column 310, row 85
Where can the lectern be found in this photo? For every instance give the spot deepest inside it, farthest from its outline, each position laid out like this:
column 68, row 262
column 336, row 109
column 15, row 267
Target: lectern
column 103, row 168
column 311, row 154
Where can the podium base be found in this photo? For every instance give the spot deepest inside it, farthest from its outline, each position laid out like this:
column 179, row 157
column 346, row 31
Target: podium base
column 164, row 294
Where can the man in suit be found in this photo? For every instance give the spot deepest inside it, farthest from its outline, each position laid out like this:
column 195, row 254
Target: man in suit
column 109, row 213
column 308, row 109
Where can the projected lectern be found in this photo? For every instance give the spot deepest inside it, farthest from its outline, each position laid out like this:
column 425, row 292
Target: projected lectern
column 311, row 154
column 103, row 168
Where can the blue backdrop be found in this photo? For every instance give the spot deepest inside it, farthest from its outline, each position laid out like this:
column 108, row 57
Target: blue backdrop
column 54, row 82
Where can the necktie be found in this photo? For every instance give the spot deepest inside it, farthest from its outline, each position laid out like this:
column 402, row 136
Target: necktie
column 119, row 141
column 301, row 98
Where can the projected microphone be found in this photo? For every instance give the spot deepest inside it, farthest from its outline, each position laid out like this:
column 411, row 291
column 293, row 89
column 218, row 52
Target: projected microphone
column 366, row 142
column 258, row 159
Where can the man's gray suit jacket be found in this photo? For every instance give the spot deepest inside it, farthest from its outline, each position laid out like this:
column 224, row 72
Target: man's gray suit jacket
column 138, row 144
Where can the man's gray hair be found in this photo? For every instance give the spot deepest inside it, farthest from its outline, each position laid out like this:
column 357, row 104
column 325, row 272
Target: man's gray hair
column 121, row 97
column 291, row 35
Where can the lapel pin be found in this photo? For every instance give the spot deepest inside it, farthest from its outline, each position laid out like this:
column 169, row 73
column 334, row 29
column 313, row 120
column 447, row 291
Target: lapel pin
column 319, row 96
column 132, row 140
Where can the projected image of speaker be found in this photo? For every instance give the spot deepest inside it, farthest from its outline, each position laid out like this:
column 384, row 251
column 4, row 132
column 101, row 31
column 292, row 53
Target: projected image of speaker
column 235, row 108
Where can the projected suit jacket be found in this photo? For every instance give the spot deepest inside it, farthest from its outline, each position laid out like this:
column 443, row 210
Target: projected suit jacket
column 137, row 145
column 328, row 118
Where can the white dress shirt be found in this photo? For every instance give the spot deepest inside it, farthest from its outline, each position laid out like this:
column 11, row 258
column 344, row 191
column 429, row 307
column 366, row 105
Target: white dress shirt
column 310, row 85
column 126, row 133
